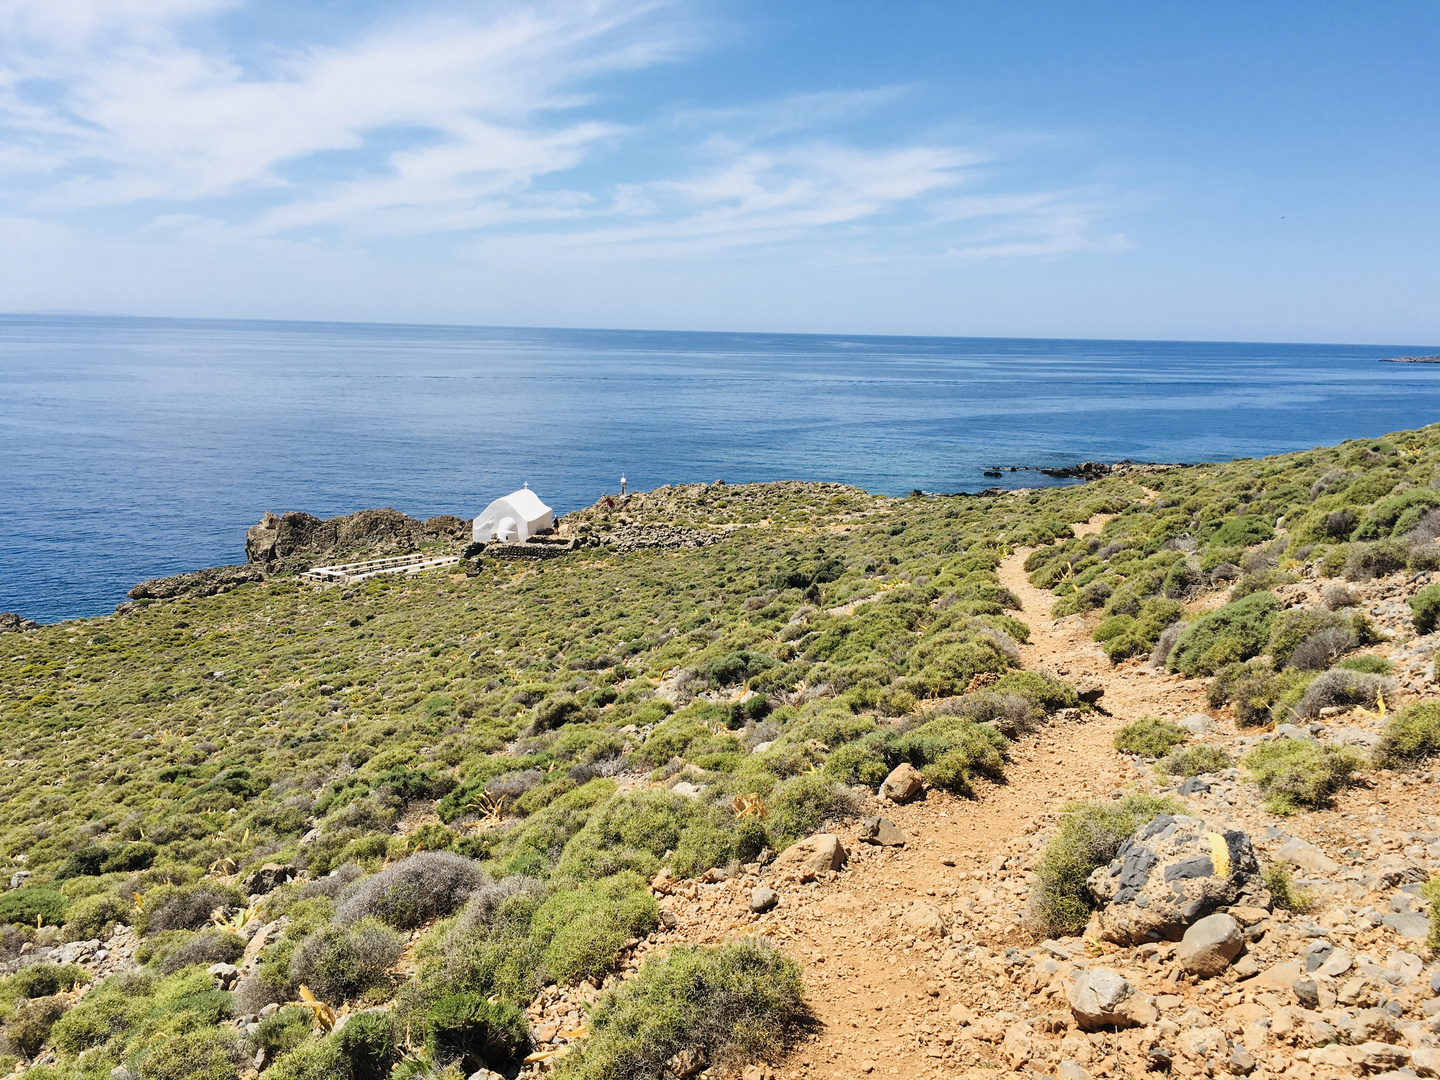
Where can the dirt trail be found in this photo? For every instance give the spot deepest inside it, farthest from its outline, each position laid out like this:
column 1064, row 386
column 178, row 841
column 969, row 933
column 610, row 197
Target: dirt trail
column 884, row 1003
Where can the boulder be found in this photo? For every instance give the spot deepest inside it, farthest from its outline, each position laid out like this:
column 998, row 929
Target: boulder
column 1305, row 856
column 903, row 784
column 1100, row 998
column 10, row 623
column 1171, row 873
column 1198, row 724
column 763, row 899
column 925, row 921
column 1209, row 945
column 882, row 831
column 815, row 855
column 268, row 878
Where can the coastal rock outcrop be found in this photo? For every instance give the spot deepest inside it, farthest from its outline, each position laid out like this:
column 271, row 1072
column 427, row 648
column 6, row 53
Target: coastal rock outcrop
column 277, row 538
column 10, row 623
column 1169, row 875
column 209, row 582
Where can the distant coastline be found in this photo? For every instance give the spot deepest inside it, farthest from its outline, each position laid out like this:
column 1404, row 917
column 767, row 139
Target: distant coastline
column 1411, row 360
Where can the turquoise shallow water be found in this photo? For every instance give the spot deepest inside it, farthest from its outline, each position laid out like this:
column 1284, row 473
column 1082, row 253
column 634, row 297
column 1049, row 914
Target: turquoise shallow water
column 140, row 447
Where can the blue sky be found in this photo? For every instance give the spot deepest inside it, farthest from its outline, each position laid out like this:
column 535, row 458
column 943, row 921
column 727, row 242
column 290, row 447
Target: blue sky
column 1210, row 171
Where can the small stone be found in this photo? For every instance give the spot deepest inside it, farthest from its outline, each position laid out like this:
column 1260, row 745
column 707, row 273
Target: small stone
column 881, row 831
column 269, row 877
column 689, row 790
column 1241, row 1062
column 668, row 919
column 1099, row 997
column 1306, row 856
column 904, row 783
column 1317, row 953
column 1209, row 945
column 867, row 1066
column 924, row 921
column 818, row 854
column 763, row 899
column 1069, row 1070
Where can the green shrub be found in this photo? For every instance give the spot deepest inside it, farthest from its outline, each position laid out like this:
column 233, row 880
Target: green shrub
column 95, row 916
column 1283, row 891
column 1373, row 665
column 1425, row 609
column 469, row 1031
column 1235, row 632
column 185, row 907
column 367, row 1042
column 952, row 750
column 1295, row 773
column 1149, row 737
column 339, row 963
column 30, row 1024
column 1125, row 636
column 1091, row 832
column 580, row 932
column 1044, row 690
column 1196, row 760
column 1366, row 561
column 33, row 905
column 203, row 1054
column 318, row 1059
column 1410, row 736
column 1258, row 693
column 1293, row 627
column 42, row 980
column 1339, row 688
column 283, row 1031
column 1431, row 891
column 1243, row 531
column 801, row 804
column 730, row 1006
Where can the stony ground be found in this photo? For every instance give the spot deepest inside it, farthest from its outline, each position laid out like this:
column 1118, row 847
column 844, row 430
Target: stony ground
column 917, row 962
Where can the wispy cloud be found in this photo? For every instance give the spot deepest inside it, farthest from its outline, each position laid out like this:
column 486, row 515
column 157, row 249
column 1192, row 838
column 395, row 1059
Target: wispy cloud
column 471, row 124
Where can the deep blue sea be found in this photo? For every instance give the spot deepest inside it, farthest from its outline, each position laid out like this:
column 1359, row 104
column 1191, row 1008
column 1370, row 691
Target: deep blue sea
column 134, row 448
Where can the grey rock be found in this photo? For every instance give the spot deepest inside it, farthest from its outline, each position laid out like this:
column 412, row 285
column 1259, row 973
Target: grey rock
column 19, row 878
column 269, row 877
column 763, row 899
column 1241, row 1061
column 1209, row 945
column 668, row 919
column 882, row 831
column 10, row 623
column 1306, row 857
column 1407, row 924
column 689, row 790
column 1165, row 878
column 1070, row 1070
column 1198, row 724
column 1100, row 997
column 1193, row 785
column 903, row 784
column 1317, row 953
column 1290, row 731
column 1359, row 737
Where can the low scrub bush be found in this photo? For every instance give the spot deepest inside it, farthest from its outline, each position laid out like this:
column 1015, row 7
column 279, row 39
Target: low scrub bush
column 1258, row 693
column 1125, row 636
column 1410, row 736
column 1373, row 665
column 185, row 907
column 1091, row 832
column 1149, row 737
column 368, row 1044
column 1425, row 609
column 206, row 1053
column 1335, row 597
column 33, row 905
column 1044, row 690
column 206, row 947
column 1232, row 633
column 1321, row 649
column 1340, row 688
column 342, row 962
column 1431, row 891
column 580, row 932
column 1284, row 893
column 1295, row 773
column 282, row 1031
column 1165, row 643
column 29, row 1025
column 42, row 980
column 468, row 1031
column 729, row 1006
column 801, row 804
column 1196, row 760
column 95, row 916
column 425, row 886
column 1366, row 561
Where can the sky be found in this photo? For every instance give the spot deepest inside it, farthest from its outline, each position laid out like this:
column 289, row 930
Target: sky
column 1217, row 171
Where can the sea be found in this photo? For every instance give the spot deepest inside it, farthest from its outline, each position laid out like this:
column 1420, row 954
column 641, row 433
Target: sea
column 133, row 448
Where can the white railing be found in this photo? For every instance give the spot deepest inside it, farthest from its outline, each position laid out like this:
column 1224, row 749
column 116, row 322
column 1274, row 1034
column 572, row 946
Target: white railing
column 346, row 573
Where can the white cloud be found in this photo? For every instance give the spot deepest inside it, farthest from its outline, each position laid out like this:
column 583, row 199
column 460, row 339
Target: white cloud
column 473, row 122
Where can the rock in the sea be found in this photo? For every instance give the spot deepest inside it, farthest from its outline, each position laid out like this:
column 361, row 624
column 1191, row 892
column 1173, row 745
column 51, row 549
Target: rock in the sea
column 763, row 899
column 882, row 831
column 1100, row 997
column 1170, row 874
column 814, row 855
column 10, row 623
column 903, row 784
column 1209, row 945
